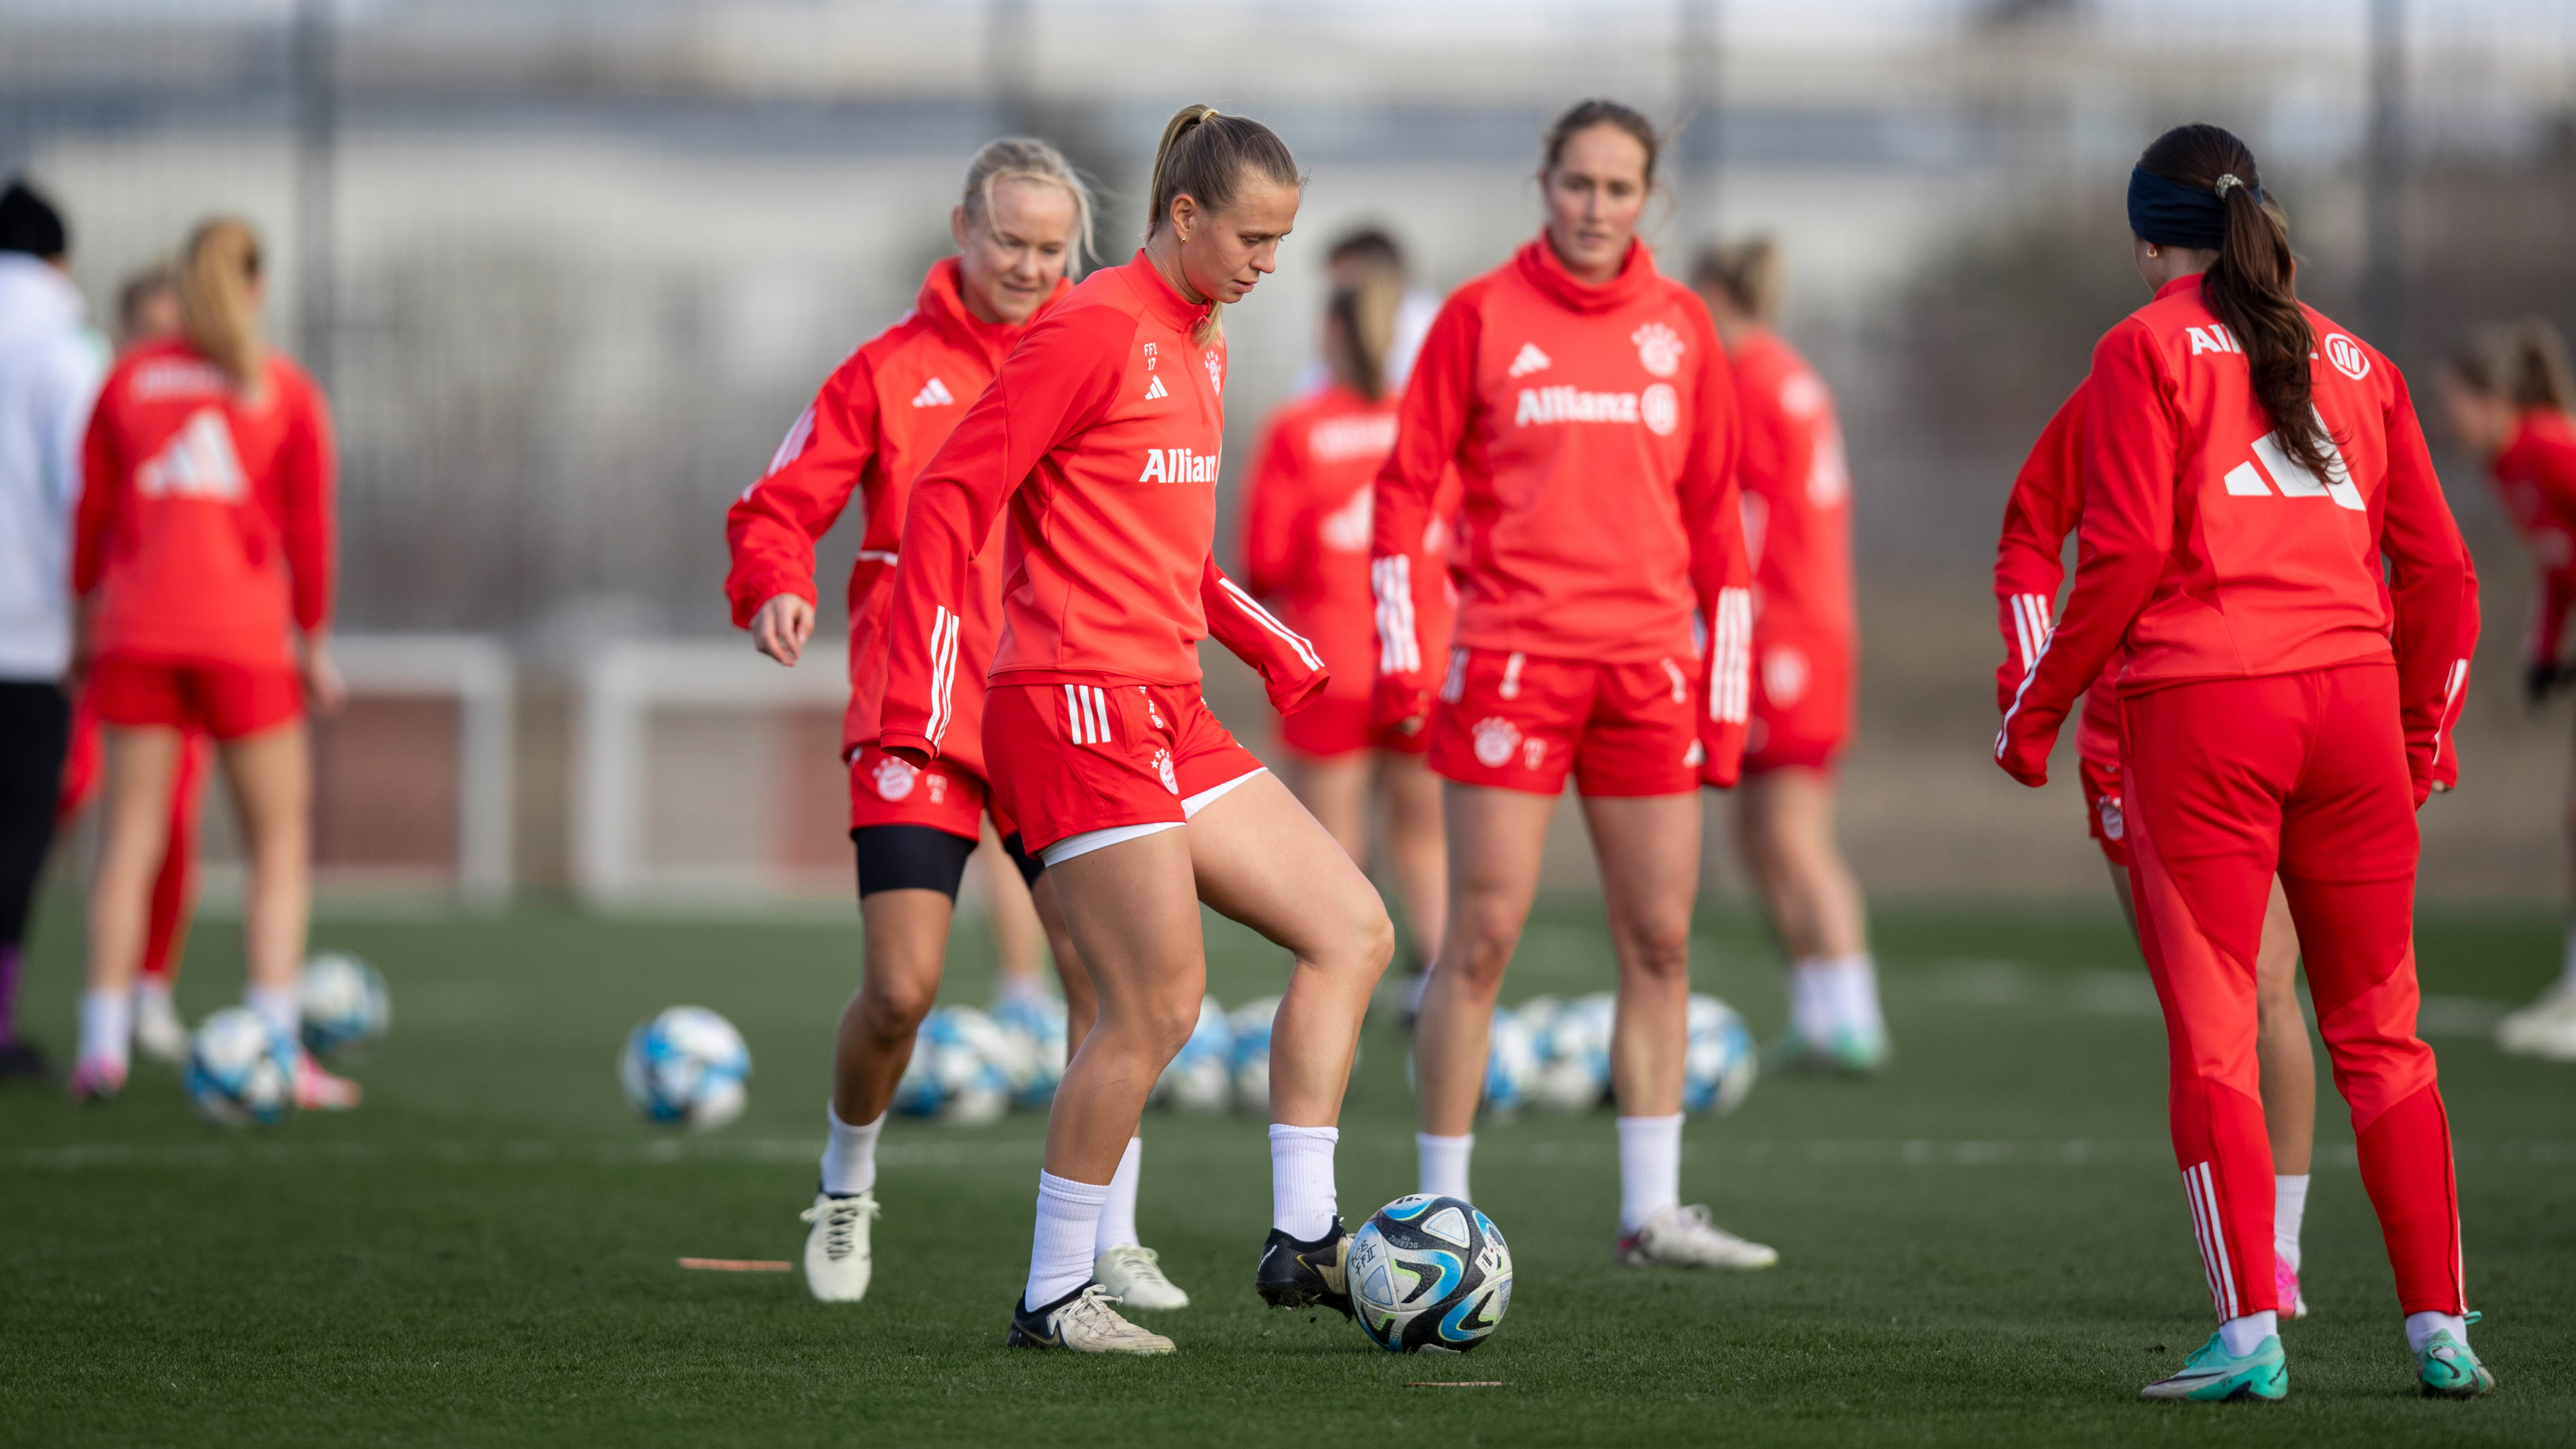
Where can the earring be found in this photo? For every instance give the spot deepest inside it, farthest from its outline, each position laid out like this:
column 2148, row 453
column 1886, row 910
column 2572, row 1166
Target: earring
column 2152, row 251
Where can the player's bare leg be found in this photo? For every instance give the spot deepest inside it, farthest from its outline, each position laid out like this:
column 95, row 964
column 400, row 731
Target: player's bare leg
column 1417, row 850
column 2547, row 1027
column 134, row 821
column 904, row 940
column 1785, row 823
column 2289, row 1075
column 1497, row 839
column 271, row 775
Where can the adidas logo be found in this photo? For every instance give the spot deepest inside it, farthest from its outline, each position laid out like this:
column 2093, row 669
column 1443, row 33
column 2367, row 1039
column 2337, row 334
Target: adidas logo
column 1155, row 389
column 1530, row 360
column 198, row 463
column 933, row 394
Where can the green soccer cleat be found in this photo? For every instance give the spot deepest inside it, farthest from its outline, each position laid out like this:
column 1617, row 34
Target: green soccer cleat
column 2445, row 1369
column 2213, row 1375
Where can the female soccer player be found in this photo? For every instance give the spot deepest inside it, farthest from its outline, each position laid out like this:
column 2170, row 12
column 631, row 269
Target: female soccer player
column 1024, row 218
column 2047, row 497
column 1101, row 435
column 203, row 564
column 2266, row 546
column 1806, row 652
column 2508, row 399
column 1305, row 545
column 1587, row 407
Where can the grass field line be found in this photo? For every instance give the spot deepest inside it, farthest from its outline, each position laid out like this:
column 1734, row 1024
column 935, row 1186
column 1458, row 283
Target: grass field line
column 1822, row 1152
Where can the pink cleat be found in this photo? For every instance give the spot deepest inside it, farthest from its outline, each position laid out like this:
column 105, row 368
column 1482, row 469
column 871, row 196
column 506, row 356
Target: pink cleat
column 2285, row 1286
column 319, row 1091
column 96, row 1079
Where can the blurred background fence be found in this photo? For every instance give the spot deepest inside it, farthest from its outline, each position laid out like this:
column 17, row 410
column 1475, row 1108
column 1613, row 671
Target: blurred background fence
column 570, row 267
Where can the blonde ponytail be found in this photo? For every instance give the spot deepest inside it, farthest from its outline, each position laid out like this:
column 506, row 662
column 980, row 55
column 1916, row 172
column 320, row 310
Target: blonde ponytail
column 1748, row 272
column 1365, row 313
column 1025, row 158
column 2536, row 372
column 1204, row 156
column 216, row 310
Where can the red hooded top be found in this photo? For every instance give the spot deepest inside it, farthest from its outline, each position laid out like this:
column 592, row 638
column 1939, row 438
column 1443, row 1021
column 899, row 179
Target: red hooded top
column 2207, row 552
column 205, row 523
column 1797, row 500
column 2030, row 562
column 1594, row 433
column 1101, row 433
column 876, row 421
column 2536, row 477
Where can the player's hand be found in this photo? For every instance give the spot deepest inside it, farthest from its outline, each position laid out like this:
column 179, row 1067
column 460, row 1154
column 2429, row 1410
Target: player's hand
column 2022, row 749
column 781, row 628
column 2541, row 678
column 76, row 669
column 323, row 684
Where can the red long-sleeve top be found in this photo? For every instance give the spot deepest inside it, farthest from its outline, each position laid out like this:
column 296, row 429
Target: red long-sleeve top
column 877, row 419
column 1101, row 434
column 2207, row 552
column 2030, row 562
column 1796, row 499
column 2535, row 475
column 1594, row 433
column 206, row 526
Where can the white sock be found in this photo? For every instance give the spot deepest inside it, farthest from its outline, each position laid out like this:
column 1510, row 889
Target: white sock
column 1301, row 1180
column 849, row 1154
column 1856, row 994
column 1650, row 1168
column 152, row 993
column 2420, row 1328
column 1060, row 1254
column 2244, row 1335
column 1444, row 1164
column 277, row 1006
column 2289, row 1205
column 1118, row 1215
column 107, row 1026
column 1814, row 997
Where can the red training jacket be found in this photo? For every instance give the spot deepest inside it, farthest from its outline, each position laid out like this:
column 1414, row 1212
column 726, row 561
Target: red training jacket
column 2536, row 477
column 878, row 418
column 1594, row 432
column 1796, row 501
column 2030, row 562
column 2208, row 553
column 1102, row 434
column 205, row 525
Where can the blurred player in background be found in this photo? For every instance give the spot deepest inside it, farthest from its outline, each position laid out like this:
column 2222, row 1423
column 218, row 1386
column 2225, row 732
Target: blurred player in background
column 1806, row 657
column 1306, row 548
column 1586, row 405
column 1101, row 437
column 1023, row 220
column 1356, row 259
column 204, row 563
column 2267, row 550
column 2509, row 399
column 49, row 372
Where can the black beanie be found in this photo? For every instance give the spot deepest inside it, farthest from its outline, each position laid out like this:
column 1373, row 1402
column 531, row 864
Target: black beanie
column 28, row 223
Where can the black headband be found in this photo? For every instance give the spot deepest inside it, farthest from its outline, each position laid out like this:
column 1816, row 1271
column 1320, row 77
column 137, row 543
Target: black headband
column 2172, row 213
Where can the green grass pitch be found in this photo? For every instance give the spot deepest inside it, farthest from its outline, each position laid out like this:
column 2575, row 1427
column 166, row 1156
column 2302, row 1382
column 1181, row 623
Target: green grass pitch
column 1985, row 1247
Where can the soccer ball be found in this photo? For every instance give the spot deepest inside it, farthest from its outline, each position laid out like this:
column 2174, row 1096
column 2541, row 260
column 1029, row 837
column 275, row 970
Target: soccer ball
column 1574, row 1055
column 241, row 1073
column 1721, row 1065
column 1429, row 1273
column 1200, row 1077
column 956, row 1071
column 686, row 1068
column 1250, row 1027
column 1032, row 1026
column 344, row 1005
column 1511, row 1065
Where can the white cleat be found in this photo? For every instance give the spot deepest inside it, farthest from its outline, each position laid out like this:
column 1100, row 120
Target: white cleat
column 1683, row 1237
column 1134, row 1276
column 2545, row 1029
column 158, row 1031
column 1083, row 1320
column 837, row 1260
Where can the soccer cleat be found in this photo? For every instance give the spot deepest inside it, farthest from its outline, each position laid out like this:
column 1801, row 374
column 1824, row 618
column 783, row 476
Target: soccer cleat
column 1849, row 1051
column 838, row 1261
column 158, row 1031
column 2445, row 1369
column 2213, row 1375
column 1084, row 1321
column 2544, row 1029
column 1295, row 1274
column 96, row 1079
column 319, row 1091
column 1134, row 1276
column 1683, row 1237
column 2285, row 1286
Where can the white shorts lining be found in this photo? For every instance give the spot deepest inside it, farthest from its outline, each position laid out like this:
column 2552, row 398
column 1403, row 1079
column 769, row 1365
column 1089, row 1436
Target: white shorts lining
column 1194, row 804
column 1091, row 840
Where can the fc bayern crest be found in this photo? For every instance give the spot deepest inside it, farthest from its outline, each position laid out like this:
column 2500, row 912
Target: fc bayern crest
column 1659, row 347
column 1495, row 741
column 1216, row 370
column 2114, row 825
column 894, row 778
column 1163, row 767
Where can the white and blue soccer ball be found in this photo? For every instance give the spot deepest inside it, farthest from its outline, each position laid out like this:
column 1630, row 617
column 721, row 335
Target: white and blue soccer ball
column 1032, row 1024
column 956, row 1071
column 1429, row 1273
column 1249, row 1027
column 1722, row 1062
column 241, row 1071
column 344, row 1005
column 1200, row 1077
column 1511, row 1065
column 1574, row 1055
column 687, row 1067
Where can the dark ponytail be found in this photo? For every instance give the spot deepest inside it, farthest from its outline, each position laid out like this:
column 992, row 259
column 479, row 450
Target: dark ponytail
column 2250, row 286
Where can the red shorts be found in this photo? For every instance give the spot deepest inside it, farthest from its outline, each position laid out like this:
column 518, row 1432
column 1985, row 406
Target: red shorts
column 886, row 791
column 1802, row 705
column 1522, row 723
column 1330, row 727
column 1070, row 758
column 2097, row 769
column 225, row 700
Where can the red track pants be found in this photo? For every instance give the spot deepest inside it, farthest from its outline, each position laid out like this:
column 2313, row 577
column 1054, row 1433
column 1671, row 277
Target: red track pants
column 2227, row 782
